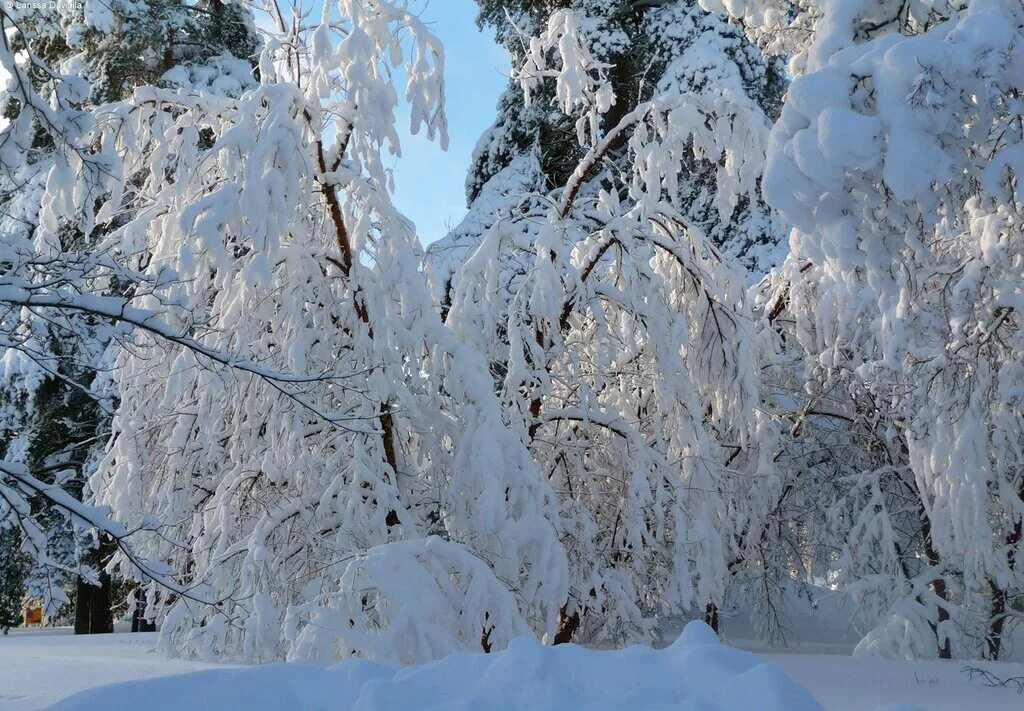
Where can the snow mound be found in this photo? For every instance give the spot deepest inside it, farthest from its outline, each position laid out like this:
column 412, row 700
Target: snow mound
column 696, row 672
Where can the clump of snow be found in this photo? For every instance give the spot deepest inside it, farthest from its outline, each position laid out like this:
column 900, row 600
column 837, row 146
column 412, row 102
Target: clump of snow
column 223, row 76
column 696, row 672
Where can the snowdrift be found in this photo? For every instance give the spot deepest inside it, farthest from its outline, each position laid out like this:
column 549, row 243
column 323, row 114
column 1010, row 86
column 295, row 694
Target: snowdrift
column 696, row 672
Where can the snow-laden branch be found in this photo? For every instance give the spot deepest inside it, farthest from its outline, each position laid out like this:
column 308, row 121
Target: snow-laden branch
column 16, row 292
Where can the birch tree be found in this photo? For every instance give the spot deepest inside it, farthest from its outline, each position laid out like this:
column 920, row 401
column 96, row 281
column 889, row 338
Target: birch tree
column 896, row 158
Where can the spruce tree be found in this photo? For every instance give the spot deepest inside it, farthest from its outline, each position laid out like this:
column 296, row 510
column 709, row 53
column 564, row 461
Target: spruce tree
column 650, row 47
column 13, row 568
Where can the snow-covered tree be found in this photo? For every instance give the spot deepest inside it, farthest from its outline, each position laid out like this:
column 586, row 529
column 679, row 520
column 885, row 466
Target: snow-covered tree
column 675, row 53
column 648, row 49
column 897, row 159
column 272, row 212
column 64, row 178
column 623, row 344
column 13, row 571
column 578, row 416
column 54, row 414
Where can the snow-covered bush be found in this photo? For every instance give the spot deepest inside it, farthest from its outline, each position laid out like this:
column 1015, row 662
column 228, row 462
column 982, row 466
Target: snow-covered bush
column 408, row 603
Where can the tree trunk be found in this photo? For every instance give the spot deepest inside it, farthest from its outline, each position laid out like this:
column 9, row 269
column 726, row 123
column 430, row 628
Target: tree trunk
column 93, row 603
column 101, row 617
column 567, row 626
column 711, row 617
column 938, row 586
column 387, row 423
column 997, row 620
column 1000, row 599
column 83, row 603
column 139, row 621
column 92, row 607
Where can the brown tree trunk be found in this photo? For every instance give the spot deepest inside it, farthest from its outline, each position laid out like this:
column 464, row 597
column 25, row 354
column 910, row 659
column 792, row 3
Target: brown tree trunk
column 568, row 624
column 387, row 424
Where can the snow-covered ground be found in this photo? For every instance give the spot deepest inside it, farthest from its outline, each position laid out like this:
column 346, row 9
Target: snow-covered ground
column 38, row 669
column 845, row 683
column 696, row 672
column 821, row 636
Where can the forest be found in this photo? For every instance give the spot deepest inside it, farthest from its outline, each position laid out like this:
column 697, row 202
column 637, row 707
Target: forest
column 734, row 316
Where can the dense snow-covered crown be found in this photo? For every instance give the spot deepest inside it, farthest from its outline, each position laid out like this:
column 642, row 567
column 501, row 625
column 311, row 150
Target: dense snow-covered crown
column 897, row 158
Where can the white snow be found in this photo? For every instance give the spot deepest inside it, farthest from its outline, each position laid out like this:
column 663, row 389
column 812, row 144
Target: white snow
column 41, row 668
column 695, row 672
column 844, row 683
column 586, row 444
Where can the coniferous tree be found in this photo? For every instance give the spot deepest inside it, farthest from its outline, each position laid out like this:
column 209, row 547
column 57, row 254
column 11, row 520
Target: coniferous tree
column 14, row 566
column 650, row 48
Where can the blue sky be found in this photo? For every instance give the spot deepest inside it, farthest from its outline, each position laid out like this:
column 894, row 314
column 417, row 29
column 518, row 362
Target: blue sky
column 428, row 181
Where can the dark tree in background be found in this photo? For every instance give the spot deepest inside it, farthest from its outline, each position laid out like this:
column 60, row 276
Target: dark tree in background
column 13, row 568
column 641, row 40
